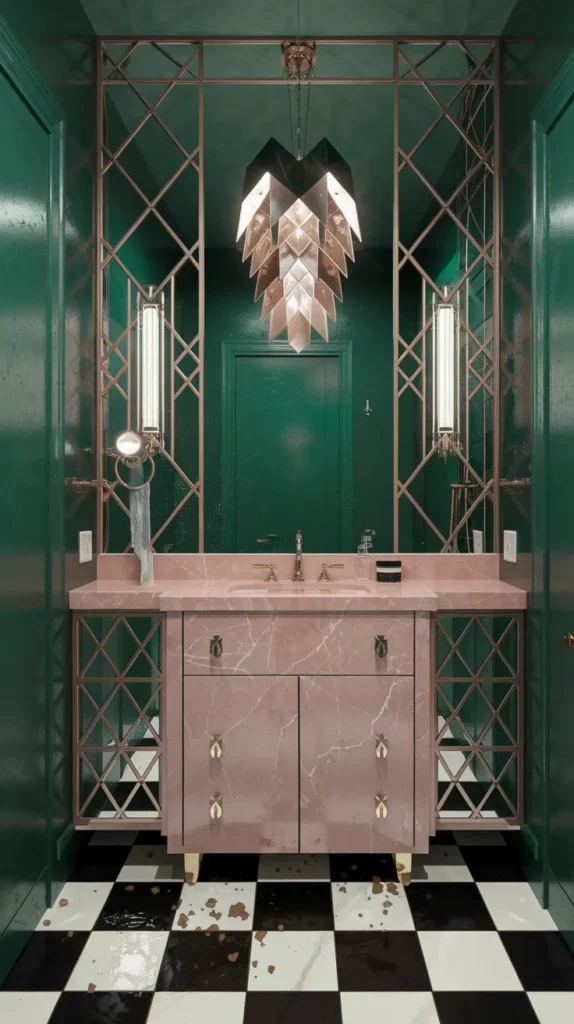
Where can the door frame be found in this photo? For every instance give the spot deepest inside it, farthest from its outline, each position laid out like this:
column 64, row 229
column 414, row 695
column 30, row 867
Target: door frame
column 18, row 71
column 558, row 97
column 230, row 350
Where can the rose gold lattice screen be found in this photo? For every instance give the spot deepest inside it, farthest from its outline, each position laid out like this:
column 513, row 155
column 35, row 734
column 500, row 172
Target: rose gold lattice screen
column 478, row 736
column 118, row 693
column 150, row 153
column 451, row 255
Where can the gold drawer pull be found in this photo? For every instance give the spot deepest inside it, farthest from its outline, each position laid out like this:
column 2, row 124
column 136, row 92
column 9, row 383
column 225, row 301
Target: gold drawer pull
column 216, row 747
column 216, row 809
column 381, row 749
column 216, row 646
column 381, row 809
column 381, row 646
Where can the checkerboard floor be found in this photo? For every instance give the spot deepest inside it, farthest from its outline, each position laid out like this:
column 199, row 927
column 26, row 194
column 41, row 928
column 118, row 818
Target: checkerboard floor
column 293, row 940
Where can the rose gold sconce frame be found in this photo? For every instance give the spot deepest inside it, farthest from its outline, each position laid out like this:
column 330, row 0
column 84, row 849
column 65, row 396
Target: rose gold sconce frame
column 115, row 70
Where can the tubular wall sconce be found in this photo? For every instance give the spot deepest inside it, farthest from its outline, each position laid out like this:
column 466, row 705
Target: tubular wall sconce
column 446, row 375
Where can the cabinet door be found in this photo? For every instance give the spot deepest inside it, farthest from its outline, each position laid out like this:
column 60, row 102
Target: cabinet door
column 357, row 758
column 240, row 764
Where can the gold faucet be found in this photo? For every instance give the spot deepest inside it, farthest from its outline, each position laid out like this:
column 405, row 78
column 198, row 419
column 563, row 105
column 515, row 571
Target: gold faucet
column 298, row 570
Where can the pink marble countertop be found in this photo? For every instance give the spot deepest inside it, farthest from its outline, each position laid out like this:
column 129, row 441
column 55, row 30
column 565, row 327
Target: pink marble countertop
column 340, row 595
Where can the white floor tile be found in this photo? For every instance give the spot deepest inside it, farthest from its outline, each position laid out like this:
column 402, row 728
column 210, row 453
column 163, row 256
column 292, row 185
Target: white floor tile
column 440, row 864
column 514, row 907
column 119, row 962
column 486, row 838
column 107, row 837
column 185, row 1007
column 296, row 867
column 27, row 1007
column 230, row 905
column 551, row 1007
column 468, row 962
column 466, row 814
column 152, row 864
column 454, row 760
column 357, row 908
column 293, row 962
column 398, row 1007
column 77, row 908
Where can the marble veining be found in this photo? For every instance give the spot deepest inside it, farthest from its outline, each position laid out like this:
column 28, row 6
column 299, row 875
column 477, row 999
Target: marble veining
column 256, row 776
column 284, row 643
column 342, row 778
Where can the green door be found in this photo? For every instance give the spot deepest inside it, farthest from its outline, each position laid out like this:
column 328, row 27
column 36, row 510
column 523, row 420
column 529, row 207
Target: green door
column 553, row 467
column 31, row 246
column 285, row 451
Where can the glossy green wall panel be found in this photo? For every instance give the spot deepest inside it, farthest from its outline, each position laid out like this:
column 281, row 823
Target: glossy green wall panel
column 24, row 199
column 47, row 34
column 549, row 36
column 560, row 274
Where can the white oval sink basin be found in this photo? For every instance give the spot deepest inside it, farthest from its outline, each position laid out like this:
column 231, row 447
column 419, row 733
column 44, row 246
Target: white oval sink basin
column 300, row 589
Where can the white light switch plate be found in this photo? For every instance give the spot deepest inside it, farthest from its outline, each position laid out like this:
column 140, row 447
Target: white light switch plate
column 510, row 545
column 477, row 544
column 85, row 545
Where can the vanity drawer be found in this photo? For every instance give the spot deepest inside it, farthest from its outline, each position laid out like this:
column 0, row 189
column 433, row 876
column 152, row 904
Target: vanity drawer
column 357, row 764
column 291, row 644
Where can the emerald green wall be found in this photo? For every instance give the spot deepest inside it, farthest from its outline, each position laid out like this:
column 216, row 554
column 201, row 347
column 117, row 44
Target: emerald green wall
column 364, row 320
column 35, row 802
column 549, row 32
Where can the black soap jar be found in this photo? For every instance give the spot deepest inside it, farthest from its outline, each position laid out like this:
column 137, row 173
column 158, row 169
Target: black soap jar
column 389, row 571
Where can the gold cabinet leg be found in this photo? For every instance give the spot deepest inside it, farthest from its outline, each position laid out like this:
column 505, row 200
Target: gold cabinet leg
column 191, row 867
column 403, row 864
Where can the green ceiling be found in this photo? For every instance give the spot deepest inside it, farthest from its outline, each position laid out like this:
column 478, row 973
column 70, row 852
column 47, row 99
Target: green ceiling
column 318, row 17
column 357, row 119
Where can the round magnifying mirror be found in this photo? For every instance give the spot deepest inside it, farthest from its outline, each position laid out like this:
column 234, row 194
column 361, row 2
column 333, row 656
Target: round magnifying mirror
column 129, row 443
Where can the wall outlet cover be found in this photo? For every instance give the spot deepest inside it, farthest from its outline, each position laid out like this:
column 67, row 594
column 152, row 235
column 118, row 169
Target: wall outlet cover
column 477, row 542
column 85, row 545
column 510, row 545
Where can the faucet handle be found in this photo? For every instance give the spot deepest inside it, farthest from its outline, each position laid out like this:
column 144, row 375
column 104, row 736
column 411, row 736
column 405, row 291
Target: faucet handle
column 271, row 575
column 324, row 575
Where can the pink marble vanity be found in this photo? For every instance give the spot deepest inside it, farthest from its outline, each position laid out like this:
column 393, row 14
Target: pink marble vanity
column 294, row 717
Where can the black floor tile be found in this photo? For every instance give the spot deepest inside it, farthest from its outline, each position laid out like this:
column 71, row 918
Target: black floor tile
column 229, row 867
column 448, row 906
column 492, row 864
column 542, row 960
column 46, row 963
column 293, row 906
column 383, row 962
column 140, row 906
column 362, row 867
column 479, row 1007
column 149, row 837
column 99, row 863
column 443, row 838
column 205, row 961
column 102, row 1008
column 292, row 1008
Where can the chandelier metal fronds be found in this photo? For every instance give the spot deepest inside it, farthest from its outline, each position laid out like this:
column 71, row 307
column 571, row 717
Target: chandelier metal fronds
column 299, row 217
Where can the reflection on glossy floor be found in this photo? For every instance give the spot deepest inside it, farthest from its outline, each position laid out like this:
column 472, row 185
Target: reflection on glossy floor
column 293, row 940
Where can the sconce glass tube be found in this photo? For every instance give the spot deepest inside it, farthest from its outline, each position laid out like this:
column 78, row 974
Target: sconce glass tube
column 446, row 375
column 150, row 367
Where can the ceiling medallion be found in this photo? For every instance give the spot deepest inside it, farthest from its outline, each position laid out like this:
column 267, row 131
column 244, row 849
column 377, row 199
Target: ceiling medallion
column 299, row 216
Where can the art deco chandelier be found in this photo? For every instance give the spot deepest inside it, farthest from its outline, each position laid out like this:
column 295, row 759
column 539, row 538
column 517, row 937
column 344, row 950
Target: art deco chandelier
column 298, row 215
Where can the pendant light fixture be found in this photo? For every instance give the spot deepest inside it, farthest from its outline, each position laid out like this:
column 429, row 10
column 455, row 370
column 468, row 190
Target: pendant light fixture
column 298, row 215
